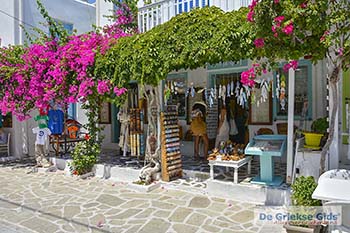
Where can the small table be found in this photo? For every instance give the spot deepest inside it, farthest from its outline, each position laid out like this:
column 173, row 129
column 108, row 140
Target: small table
column 267, row 147
column 235, row 164
column 57, row 140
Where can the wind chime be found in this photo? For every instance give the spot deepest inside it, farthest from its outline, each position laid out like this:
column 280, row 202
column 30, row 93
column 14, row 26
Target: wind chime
column 281, row 90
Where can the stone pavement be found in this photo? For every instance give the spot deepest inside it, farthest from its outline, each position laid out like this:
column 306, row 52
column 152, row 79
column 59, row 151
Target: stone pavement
column 53, row 202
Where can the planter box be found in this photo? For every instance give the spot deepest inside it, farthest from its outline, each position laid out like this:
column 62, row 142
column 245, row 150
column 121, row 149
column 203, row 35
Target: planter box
column 298, row 229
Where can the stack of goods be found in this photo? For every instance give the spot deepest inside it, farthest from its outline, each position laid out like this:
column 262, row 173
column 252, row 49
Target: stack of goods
column 136, row 132
column 228, row 152
column 171, row 155
column 212, row 120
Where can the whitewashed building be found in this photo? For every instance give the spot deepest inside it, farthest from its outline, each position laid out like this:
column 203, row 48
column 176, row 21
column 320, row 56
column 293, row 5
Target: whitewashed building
column 73, row 14
column 310, row 85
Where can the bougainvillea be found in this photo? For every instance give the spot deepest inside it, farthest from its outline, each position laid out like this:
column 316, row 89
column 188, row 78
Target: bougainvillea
column 58, row 69
column 316, row 30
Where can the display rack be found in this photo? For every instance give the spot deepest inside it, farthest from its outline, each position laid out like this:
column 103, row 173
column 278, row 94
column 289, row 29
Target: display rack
column 136, row 133
column 171, row 155
column 212, row 120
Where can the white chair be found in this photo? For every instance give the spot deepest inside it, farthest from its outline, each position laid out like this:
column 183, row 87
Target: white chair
column 6, row 147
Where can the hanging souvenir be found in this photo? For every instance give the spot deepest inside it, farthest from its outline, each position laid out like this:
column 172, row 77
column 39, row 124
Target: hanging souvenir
column 223, row 93
column 187, row 92
column 237, row 89
column 215, row 93
column 206, row 94
column 193, row 92
column 282, row 96
column 232, row 87
column 220, row 90
column 277, row 85
column 228, row 88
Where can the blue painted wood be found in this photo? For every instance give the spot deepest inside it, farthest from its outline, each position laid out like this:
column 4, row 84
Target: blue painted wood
column 259, row 146
column 309, row 92
column 72, row 111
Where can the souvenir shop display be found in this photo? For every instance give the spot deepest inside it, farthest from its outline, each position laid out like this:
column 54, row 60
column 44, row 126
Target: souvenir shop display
column 136, row 132
column 212, row 119
column 267, row 147
column 171, row 155
column 228, row 151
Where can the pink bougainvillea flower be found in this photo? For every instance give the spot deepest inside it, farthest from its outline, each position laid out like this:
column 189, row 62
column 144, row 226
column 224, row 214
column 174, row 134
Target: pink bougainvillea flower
column 323, row 37
column 276, row 1
column 248, row 77
column 340, row 52
column 119, row 91
column 303, row 5
column 288, row 30
column 259, row 43
column 250, row 16
column 103, row 87
column 292, row 64
column 278, row 20
column 273, row 28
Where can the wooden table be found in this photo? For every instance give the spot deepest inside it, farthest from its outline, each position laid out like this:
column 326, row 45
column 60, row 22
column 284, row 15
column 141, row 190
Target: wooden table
column 68, row 143
column 234, row 164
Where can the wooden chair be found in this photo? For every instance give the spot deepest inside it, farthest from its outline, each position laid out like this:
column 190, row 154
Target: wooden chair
column 6, row 147
column 282, row 128
column 263, row 131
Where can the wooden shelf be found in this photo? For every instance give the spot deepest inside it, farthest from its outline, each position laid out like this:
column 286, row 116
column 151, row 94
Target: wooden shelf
column 171, row 161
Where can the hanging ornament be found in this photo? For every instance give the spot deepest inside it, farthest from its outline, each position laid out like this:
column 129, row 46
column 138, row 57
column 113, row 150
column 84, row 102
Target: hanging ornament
column 228, row 88
column 215, row 93
column 232, row 87
column 277, row 85
column 282, row 96
column 223, row 93
column 220, row 91
column 237, row 89
column 193, row 91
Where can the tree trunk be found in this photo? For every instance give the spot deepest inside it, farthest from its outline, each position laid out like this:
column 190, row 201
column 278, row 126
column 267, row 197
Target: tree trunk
column 333, row 85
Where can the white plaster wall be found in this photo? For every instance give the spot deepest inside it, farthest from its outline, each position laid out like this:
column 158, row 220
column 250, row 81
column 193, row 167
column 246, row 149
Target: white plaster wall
column 82, row 15
column 103, row 9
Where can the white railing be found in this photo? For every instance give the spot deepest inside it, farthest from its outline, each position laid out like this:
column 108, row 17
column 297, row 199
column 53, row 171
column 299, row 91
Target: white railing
column 161, row 11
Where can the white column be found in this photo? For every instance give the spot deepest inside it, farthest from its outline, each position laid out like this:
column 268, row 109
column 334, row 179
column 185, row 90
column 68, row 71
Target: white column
column 290, row 139
column 230, row 5
column 334, row 147
column 171, row 9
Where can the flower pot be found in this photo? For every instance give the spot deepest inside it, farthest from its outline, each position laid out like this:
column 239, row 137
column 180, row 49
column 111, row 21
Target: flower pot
column 299, row 229
column 312, row 139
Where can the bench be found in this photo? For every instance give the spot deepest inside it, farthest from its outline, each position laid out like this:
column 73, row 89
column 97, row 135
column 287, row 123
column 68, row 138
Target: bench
column 234, row 164
column 6, row 147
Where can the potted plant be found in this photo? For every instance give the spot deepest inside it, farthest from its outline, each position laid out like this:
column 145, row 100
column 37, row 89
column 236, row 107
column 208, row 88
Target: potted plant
column 302, row 190
column 319, row 129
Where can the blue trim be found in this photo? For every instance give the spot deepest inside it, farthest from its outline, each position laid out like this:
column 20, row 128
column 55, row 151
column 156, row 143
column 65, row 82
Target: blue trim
column 230, row 64
column 115, row 124
column 308, row 64
column 72, row 111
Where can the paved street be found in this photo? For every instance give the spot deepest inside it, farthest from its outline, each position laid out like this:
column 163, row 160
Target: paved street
column 51, row 202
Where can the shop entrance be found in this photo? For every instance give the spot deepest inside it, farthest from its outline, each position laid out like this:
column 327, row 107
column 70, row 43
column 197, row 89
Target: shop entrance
column 229, row 86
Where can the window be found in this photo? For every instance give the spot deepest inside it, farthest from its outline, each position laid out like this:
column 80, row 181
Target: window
column 72, row 111
column 67, row 26
column 303, row 92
